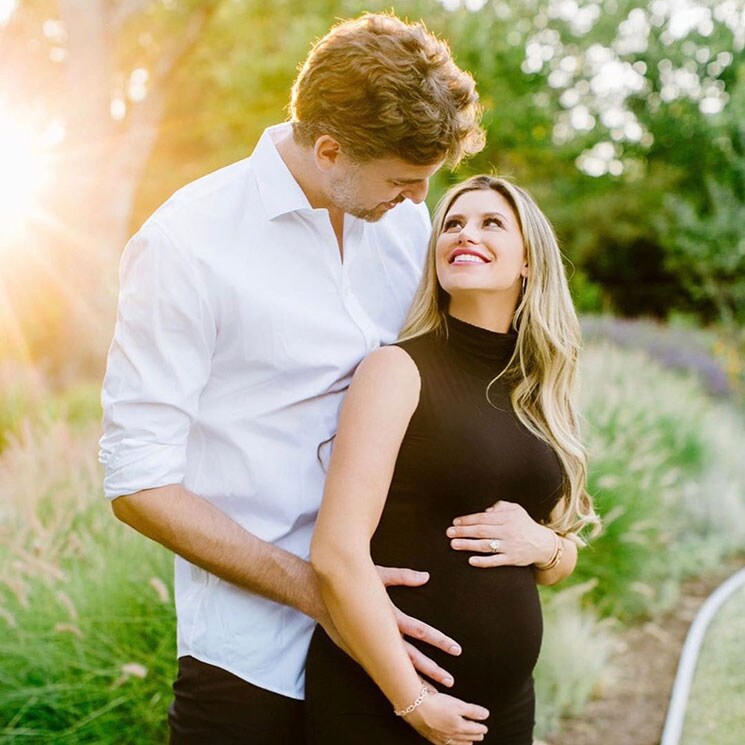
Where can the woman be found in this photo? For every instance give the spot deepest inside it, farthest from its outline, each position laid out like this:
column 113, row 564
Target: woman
column 473, row 405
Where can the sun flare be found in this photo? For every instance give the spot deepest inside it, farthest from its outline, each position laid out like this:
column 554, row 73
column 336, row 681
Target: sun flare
column 22, row 174
column 7, row 8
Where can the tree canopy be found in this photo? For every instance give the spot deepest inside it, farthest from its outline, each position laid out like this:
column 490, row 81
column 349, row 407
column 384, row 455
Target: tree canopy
column 626, row 119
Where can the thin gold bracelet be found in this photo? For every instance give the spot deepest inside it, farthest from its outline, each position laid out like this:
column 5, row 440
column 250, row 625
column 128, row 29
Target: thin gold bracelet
column 555, row 557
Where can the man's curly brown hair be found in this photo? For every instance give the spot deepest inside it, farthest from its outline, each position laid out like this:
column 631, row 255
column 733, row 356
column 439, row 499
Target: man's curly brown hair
column 386, row 88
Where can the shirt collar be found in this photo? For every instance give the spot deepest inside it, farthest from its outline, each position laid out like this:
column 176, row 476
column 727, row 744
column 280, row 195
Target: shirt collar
column 279, row 190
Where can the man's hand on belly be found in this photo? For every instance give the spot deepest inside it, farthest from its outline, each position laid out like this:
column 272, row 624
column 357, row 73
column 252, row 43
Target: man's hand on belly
column 416, row 629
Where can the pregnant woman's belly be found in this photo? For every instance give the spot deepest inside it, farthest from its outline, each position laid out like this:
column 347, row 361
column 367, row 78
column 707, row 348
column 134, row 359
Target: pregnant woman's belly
column 494, row 614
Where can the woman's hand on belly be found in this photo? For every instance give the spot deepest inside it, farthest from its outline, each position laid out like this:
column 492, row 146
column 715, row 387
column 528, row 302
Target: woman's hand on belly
column 445, row 720
column 506, row 533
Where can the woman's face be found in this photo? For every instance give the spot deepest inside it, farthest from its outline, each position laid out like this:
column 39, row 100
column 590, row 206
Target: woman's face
column 480, row 248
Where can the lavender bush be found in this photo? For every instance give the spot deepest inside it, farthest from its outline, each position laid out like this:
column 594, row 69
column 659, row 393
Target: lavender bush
column 716, row 363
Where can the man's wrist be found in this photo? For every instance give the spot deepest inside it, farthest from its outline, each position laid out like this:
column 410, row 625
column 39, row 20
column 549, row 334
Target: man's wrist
column 310, row 601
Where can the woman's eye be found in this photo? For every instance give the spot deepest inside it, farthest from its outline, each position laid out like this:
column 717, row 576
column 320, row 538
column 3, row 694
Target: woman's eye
column 493, row 221
column 451, row 225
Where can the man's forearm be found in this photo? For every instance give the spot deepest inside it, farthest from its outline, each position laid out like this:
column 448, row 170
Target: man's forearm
column 203, row 535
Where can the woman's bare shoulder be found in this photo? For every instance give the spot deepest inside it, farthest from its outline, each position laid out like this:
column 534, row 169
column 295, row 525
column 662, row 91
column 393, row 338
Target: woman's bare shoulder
column 390, row 371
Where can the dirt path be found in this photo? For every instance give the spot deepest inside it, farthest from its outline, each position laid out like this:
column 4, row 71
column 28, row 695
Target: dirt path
column 632, row 710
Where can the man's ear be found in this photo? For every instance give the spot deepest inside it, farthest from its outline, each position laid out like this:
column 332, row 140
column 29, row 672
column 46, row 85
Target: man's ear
column 326, row 151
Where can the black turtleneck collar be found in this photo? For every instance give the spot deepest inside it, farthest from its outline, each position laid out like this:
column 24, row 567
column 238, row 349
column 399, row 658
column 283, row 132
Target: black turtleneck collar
column 473, row 344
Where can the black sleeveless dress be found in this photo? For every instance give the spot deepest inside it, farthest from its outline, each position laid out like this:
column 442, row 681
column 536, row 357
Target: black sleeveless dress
column 460, row 454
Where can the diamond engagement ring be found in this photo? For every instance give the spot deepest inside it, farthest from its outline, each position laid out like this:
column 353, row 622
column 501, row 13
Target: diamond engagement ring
column 494, row 545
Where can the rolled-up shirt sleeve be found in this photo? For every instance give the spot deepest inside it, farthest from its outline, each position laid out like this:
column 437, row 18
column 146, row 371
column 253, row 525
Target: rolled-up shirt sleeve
column 158, row 365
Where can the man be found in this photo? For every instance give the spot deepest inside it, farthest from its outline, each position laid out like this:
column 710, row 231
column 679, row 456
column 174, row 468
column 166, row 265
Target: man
column 246, row 302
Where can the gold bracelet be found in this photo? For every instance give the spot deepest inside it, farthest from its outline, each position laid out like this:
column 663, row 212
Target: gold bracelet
column 411, row 707
column 555, row 557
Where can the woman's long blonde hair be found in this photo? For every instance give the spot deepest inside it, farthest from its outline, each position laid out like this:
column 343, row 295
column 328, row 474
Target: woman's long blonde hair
column 544, row 365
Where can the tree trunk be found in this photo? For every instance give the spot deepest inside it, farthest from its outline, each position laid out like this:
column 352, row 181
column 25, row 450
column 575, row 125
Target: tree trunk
column 98, row 177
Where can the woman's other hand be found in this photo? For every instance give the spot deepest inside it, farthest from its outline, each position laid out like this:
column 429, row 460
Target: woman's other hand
column 445, row 720
column 506, row 533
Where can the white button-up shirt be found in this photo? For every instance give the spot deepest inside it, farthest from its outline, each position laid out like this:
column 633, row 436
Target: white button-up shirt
column 238, row 330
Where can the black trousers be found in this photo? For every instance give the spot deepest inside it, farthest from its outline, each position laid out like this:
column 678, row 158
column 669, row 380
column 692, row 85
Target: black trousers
column 214, row 707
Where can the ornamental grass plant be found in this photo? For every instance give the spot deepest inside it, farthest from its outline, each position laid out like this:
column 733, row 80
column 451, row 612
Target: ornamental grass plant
column 28, row 397
column 22, row 394
column 575, row 657
column 87, row 640
column 668, row 476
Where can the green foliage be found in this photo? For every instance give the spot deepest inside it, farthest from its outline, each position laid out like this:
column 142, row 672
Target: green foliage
column 667, row 478
column 14, row 407
column 79, row 405
column 575, row 657
column 609, row 233
column 586, row 294
column 707, row 251
column 22, row 395
column 87, row 648
column 26, row 397
column 238, row 80
column 100, row 674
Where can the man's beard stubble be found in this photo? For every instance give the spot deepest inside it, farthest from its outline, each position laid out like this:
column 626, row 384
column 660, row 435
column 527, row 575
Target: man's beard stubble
column 343, row 195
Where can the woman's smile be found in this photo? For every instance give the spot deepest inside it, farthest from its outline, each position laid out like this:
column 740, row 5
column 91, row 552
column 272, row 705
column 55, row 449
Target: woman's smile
column 467, row 256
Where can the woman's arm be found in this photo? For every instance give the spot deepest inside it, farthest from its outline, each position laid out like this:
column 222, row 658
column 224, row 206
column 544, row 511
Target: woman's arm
column 373, row 420
column 376, row 412
column 563, row 567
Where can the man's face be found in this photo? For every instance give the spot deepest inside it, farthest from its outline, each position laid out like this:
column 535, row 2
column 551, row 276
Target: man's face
column 369, row 190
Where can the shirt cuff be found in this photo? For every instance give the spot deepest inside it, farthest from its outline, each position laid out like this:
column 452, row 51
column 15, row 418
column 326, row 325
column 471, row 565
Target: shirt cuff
column 134, row 465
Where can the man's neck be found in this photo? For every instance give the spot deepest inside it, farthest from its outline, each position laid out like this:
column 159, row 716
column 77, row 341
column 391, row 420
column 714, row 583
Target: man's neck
column 301, row 164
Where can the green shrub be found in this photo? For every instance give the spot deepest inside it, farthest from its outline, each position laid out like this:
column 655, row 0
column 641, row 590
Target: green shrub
column 21, row 391
column 88, row 652
column 574, row 661
column 586, row 294
column 25, row 396
column 668, row 478
column 79, row 405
